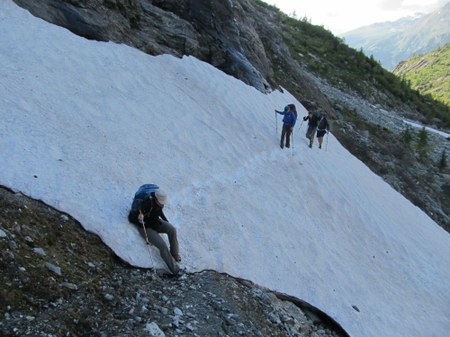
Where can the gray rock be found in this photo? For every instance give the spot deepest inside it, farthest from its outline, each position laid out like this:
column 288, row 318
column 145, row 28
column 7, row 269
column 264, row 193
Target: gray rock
column 234, row 36
column 69, row 285
column 53, row 268
column 39, row 251
column 154, row 330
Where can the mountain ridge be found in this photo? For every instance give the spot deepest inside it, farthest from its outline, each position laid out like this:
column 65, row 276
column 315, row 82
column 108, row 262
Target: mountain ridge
column 395, row 41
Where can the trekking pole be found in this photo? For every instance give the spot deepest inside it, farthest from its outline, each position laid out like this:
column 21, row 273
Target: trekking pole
column 148, row 242
column 292, row 135
column 276, row 125
column 301, row 124
column 143, row 226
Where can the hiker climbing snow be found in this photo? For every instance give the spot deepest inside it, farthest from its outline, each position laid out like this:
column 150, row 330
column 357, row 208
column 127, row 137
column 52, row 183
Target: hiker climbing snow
column 313, row 120
column 323, row 127
column 147, row 213
column 289, row 119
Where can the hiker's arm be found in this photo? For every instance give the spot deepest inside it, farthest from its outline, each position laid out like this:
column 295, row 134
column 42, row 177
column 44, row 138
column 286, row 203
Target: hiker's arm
column 163, row 216
column 279, row 112
column 145, row 207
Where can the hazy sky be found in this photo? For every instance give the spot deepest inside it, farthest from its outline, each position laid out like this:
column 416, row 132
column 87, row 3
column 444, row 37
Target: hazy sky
column 344, row 15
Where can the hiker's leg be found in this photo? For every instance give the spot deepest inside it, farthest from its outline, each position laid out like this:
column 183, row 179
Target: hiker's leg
column 311, row 138
column 288, row 135
column 320, row 139
column 320, row 134
column 283, row 134
column 158, row 241
column 171, row 231
column 309, row 132
column 309, row 135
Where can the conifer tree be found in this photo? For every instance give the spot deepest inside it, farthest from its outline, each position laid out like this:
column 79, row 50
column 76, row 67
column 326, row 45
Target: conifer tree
column 422, row 143
column 443, row 161
column 407, row 135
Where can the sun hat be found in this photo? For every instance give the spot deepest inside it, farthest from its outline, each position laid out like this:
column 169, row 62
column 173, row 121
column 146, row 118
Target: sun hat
column 161, row 196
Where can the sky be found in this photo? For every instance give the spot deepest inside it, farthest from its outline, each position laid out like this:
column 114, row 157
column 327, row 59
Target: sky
column 345, row 15
column 85, row 123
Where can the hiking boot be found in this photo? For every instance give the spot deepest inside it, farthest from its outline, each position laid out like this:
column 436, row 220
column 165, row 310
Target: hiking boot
column 177, row 257
column 310, row 145
column 320, row 146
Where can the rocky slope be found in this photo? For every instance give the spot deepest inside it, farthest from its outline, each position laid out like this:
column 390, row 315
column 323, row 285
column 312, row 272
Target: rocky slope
column 59, row 280
column 242, row 38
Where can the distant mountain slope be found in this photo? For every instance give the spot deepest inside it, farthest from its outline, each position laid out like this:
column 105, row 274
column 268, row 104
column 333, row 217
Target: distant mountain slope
column 429, row 73
column 392, row 42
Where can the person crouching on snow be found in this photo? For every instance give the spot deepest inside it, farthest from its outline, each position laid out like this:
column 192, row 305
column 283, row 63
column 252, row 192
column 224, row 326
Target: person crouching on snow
column 152, row 216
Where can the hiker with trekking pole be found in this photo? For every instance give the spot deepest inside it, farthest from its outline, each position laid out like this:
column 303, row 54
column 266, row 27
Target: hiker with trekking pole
column 313, row 120
column 323, row 127
column 289, row 119
column 147, row 213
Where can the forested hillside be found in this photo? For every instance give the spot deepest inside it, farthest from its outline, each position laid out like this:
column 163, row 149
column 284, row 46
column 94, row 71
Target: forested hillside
column 429, row 73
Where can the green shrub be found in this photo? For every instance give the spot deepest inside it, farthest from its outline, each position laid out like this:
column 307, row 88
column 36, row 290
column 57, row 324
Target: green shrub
column 443, row 161
column 422, row 143
column 407, row 136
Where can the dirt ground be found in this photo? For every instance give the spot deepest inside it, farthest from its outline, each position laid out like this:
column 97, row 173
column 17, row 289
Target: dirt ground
column 59, row 280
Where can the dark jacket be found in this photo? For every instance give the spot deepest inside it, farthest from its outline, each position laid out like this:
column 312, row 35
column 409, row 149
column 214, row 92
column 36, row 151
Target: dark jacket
column 152, row 212
column 312, row 119
column 323, row 124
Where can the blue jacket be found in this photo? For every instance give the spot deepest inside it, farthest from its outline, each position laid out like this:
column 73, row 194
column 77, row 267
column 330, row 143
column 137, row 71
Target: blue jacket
column 289, row 117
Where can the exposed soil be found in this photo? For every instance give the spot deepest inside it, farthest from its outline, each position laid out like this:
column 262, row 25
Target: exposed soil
column 59, row 280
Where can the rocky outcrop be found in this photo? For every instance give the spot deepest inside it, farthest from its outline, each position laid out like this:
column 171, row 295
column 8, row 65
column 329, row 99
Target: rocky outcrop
column 238, row 37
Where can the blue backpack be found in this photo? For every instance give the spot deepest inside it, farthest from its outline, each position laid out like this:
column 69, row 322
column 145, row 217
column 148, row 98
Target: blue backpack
column 143, row 192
